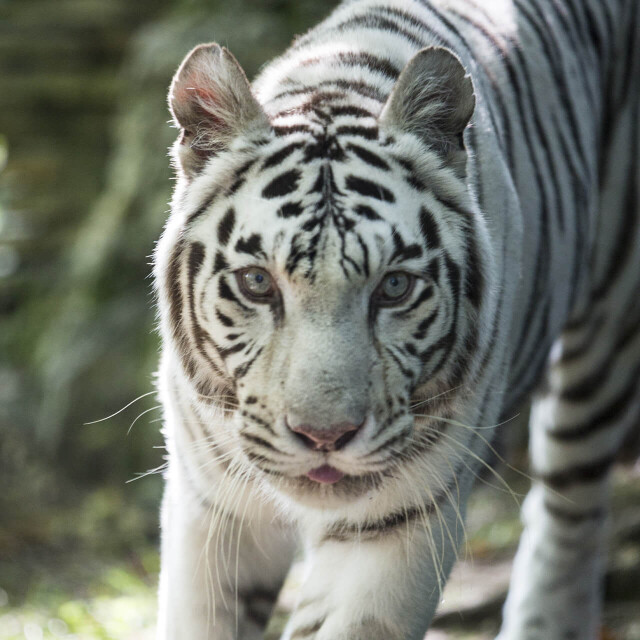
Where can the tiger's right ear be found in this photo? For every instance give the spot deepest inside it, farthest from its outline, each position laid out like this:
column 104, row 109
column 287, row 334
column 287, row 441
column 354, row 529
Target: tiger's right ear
column 433, row 99
column 211, row 102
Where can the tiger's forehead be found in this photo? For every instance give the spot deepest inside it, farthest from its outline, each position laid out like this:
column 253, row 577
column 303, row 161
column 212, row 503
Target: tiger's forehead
column 321, row 205
column 304, row 196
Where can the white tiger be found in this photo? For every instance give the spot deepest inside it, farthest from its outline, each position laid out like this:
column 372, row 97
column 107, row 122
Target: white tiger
column 373, row 254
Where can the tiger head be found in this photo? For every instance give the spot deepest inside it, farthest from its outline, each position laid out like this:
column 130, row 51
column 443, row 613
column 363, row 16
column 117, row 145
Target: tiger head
column 321, row 272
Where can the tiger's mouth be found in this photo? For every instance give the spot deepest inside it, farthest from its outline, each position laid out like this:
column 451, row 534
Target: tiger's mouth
column 326, row 474
column 311, row 491
column 327, row 487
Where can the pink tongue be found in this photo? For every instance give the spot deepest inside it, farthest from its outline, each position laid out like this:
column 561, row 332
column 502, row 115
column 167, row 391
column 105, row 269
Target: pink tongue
column 325, row 474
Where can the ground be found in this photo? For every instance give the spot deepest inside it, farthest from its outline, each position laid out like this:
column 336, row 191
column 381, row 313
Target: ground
column 53, row 590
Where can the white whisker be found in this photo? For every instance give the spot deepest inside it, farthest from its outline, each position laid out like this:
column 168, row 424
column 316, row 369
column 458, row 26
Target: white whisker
column 126, row 406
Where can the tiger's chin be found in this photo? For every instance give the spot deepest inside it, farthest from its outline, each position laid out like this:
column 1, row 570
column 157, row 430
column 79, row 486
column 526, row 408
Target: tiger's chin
column 322, row 495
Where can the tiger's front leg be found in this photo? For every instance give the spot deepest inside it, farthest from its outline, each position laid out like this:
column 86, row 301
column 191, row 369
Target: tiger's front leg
column 379, row 580
column 221, row 569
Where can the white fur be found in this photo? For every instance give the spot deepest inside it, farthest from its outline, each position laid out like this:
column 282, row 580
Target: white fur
column 230, row 529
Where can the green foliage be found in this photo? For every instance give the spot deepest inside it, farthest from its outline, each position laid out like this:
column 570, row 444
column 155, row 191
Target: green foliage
column 76, row 311
column 84, row 189
column 84, row 197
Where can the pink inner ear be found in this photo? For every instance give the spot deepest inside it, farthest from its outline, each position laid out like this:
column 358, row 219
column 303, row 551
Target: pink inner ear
column 200, row 105
column 204, row 95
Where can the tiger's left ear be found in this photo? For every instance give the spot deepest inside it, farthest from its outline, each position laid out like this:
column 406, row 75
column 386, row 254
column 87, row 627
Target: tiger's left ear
column 211, row 102
column 433, row 99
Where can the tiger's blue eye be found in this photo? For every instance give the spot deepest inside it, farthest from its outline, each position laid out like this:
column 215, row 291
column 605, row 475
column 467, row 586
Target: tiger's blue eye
column 394, row 288
column 256, row 283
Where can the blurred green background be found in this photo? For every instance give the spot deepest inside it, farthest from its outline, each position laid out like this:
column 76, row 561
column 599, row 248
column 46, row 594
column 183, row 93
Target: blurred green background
column 84, row 187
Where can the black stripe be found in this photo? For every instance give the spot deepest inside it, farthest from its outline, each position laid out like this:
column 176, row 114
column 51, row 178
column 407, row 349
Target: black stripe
column 356, row 59
column 225, row 292
column 594, row 33
column 261, row 442
column 607, row 27
column 377, row 22
column 544, row 138
column 368, row 156
column 631, row 57
column 202, row 208
column 425, row 294
column 453, row 271
column 433, row 270
column 474, row 278
column 259, row 618
column 405, row 19
column 290, row 210
column 282, row 185
column 363, row 88
column 429, row 229
column 423, row 327
column 625, row 233
column 225, row 352
column 578, row 474
column 368, row 188
column 594, row 380
column 607, row 417
column 257, row 420
column 241, row 370
column 528, row 101
column 401, row 250
column 239, row 177
column 554, row 56
column 351, row 110
column 175, row 289
column 541, row 271
column 589, row 336
column 280, row 155
column 391, row 440
column 199, row 335
column 458, row 207
column 220, row 263
column 224, row 319
column 369, row 133
column 367, row 212
column 407, row 373
column 533, row 361
column 575, row 29
column 573, row 517
column 226, row 225
column 365, row 254
column 446, row 342
column 344, row 531
column 370, row 20
column 259, row 602
column 580, row 222
column 251, row 245
column 285, row 130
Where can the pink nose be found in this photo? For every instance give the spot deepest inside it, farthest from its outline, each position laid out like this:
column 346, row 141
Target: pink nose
column 325, row 439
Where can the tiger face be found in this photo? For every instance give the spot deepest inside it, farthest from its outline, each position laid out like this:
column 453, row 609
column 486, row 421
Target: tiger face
column 312, row 271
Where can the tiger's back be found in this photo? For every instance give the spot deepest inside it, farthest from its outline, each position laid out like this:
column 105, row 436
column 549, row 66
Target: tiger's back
column 371, row 255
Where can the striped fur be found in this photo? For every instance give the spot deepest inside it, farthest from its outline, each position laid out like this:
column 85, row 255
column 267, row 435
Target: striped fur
column 488, row 152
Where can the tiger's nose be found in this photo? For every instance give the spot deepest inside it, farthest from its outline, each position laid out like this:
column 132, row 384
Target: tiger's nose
column 330, row 438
